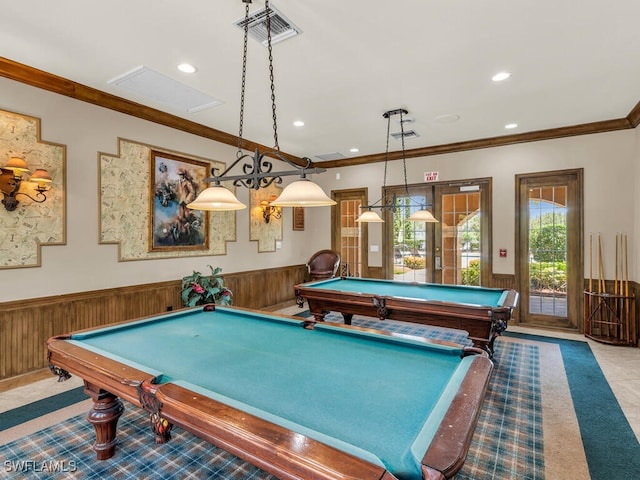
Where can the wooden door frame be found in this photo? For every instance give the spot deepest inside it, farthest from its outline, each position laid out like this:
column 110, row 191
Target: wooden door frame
column 353, row 193
column 486, row 197
column 431, row 188
column 575, row 244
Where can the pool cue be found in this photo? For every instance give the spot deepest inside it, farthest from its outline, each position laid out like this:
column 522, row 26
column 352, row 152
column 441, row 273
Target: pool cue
column 615, row 283
column 614, row 313
column 605, row 318
column 589, row 298
column 627, row 301
column 591, row 262
column 600, row 267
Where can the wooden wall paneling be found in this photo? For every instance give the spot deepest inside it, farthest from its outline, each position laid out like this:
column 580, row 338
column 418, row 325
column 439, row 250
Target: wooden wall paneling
column 503, row 281
column 26, row 325
column 375, row 272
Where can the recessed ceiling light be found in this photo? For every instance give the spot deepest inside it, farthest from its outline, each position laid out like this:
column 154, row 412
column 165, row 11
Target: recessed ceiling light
column 187, row 68
column 499, row 77
column 509, row 126
column 299, row 123
column 354, row 150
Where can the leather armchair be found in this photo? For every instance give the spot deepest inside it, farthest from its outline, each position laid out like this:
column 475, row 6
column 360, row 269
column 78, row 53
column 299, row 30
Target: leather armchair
column 323, row 264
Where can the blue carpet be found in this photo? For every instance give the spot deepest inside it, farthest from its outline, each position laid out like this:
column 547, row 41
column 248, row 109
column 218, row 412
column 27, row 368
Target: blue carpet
column 19, row 415
column 611, row 447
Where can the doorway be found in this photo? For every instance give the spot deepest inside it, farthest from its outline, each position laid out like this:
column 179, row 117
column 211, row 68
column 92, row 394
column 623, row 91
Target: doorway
column 549, row 248
column 456, row 249
column 348, row 237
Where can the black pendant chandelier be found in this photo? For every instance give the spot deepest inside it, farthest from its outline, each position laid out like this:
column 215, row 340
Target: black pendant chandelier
column 258, row 173
column 368, row 215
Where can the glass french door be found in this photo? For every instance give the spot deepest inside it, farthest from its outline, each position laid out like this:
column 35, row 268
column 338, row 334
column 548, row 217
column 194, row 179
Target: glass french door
column 349, row 238
column 549, row 243
column 456, row 249
column 410, row 259
column 461, row 238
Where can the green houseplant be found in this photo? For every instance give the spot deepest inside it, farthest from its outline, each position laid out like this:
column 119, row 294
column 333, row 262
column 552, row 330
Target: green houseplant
column 199, row 289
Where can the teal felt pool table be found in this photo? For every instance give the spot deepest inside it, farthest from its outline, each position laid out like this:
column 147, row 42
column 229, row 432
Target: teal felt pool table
column 482, row 312
column 298, row 399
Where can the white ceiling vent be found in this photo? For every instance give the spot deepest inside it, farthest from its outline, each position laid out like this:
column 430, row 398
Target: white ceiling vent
column 281, row 27
column 407, row 134
column 153, row 85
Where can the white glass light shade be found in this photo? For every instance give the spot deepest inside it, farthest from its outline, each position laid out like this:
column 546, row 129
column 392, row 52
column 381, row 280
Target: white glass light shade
column 18, row 165
column 216, row 198
column 41, row 176
column 302, row 193
column 422, row 216
column 369, row 217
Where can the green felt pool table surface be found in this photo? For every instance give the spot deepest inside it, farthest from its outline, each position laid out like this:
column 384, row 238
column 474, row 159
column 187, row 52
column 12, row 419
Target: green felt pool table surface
column 377, row 397
column 479, row 296
column 482, row 312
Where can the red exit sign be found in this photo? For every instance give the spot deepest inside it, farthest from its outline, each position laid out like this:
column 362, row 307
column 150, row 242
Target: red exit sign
column 430, row 176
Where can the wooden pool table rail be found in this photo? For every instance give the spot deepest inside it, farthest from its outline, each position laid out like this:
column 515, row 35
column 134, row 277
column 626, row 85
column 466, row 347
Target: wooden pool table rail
column 284, row 453
column 483, row 324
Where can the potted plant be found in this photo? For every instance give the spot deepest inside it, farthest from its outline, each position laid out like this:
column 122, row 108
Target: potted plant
column 199, row 289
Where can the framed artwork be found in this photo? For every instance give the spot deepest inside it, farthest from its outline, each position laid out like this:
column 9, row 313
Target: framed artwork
column 175, row 182
column 298, row 218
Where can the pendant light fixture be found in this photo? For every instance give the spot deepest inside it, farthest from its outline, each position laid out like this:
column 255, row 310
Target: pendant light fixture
column 368, row 215
column 258, row 174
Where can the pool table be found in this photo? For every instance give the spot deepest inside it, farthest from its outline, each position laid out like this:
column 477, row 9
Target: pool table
column 482, row 312
column 299, row 399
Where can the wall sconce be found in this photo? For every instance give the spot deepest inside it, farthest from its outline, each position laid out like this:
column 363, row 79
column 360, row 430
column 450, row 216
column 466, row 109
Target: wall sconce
column 11, row 177
column 269, row 210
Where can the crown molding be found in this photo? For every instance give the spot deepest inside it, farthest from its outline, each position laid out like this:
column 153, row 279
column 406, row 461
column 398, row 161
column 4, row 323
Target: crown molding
column 53, row 83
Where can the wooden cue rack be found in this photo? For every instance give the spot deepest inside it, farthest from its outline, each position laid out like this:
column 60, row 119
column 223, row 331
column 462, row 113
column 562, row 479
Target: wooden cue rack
column 610, row 317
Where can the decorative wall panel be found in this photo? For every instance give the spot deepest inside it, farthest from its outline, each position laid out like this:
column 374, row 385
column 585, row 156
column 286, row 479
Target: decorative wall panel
column 31, row 225
column 124, row 205
column 266, row 234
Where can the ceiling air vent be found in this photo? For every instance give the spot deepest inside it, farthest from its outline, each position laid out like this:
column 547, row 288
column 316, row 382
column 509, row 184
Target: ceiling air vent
column 281, row 27
column 149, row 84
column 407, row 134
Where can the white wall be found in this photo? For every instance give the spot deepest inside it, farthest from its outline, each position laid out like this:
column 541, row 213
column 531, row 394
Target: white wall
column 82, row 264
column 610, row 178
column 609, row 161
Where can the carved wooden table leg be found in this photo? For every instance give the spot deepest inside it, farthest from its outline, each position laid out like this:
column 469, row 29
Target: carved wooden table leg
column 104, row 415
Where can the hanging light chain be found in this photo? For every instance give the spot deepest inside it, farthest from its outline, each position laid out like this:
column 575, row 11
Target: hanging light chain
column 273, row 89
column 386, row 155
column 244, row 78
column 404, row 159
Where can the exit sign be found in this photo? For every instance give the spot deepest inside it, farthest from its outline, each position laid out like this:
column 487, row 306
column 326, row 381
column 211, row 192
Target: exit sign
column 430, row 176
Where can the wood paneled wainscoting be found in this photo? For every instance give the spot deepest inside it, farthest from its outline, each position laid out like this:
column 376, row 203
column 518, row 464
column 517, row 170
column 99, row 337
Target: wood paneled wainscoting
column 507, row 281
column 26, row 325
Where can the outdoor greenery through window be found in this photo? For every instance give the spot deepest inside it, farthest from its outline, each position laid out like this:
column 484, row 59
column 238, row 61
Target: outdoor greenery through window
column 409, row 241
column 548, row 249
column 461, row 240
column 469, row 239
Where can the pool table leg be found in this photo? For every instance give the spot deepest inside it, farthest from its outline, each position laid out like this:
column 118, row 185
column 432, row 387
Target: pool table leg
column 485, row 346
column 104, row 415
column 429, row 473
column 347, row 318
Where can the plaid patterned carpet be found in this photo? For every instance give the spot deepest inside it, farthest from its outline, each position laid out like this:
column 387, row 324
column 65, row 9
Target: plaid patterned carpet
column 507, row 443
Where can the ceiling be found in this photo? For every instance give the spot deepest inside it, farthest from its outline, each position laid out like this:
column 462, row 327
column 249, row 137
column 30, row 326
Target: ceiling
column 572, row 63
